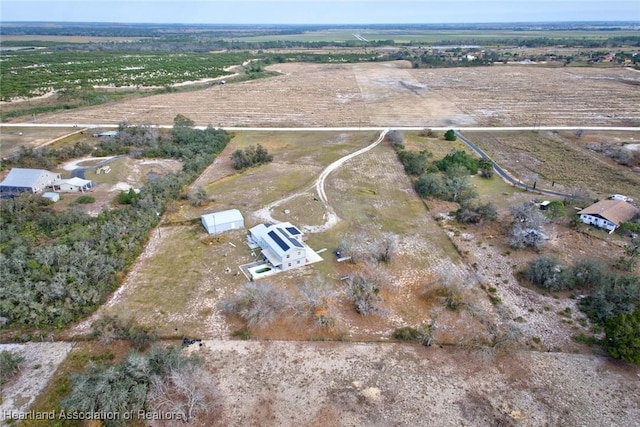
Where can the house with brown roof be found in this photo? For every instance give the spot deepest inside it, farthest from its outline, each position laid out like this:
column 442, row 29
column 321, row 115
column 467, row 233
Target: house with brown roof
column 608, row 214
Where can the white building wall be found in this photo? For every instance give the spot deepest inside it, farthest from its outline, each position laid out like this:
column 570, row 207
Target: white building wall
column 597, row 221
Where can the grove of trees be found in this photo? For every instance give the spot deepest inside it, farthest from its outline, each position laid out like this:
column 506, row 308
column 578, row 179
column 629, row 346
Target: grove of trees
column 57, row 266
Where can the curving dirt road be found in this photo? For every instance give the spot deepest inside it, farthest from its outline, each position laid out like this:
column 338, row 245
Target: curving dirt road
column 330, row 216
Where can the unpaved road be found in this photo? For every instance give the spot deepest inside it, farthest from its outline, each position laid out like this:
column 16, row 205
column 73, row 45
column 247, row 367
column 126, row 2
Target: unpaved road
column 331, row 218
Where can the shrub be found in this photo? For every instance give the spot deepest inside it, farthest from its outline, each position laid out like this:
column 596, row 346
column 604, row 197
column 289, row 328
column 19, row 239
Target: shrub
column 108, row 328
column 461, row 158
column 85, row 200
column 450, row 135
column 9, row 365
column 258, row 304
column 364, row 289
column 546, row 272
column 588, row 274
column 406, row 333
column 622, row 337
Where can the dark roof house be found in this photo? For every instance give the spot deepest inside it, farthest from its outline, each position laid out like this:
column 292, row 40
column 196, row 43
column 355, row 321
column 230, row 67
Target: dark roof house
column 608, row 214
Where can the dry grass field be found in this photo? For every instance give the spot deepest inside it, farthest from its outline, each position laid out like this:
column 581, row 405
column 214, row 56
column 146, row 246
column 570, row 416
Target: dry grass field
column 393, row 94
column 521, row 369
column 562, row 158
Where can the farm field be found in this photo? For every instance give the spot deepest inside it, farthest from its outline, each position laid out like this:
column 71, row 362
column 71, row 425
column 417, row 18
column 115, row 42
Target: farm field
column 13, row 139
column 393, row 94
column 563, row 158
column 430, row 35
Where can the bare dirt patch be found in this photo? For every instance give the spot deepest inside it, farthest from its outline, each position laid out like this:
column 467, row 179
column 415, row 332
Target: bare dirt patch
column 41, row 361
column 392, row 94
column 280, row 383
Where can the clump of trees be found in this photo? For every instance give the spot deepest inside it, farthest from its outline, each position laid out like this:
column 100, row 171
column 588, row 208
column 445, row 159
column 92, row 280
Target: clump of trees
column 250, row 156
column 162, row 380
column 260, row 303
column 370, row 247
column 58, row 266
column 613, row 302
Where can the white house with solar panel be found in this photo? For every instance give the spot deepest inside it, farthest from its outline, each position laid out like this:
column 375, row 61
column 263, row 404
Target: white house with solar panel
column 282, row 246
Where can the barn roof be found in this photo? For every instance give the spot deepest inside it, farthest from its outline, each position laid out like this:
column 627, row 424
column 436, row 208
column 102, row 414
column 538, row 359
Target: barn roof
column 222, row 217
column 615, row 211
column 19, row 177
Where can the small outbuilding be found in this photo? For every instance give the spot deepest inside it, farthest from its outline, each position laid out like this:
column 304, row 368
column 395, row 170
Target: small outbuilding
column 219, row 222
column 54, row 197
column 22, row 180
column 73, row 185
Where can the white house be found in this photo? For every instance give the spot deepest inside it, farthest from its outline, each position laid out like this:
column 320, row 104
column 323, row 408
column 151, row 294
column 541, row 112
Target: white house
column 282, row 245
column 22, row 180
column 608, row 214
column 219, row 222
column 72, row 185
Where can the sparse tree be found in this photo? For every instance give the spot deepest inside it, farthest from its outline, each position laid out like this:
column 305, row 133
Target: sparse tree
column 191, row 391
column 396, row 138
column 257, row 303
column 364, row 289
column 316, row 299
column 526, row 227
column 198, row 196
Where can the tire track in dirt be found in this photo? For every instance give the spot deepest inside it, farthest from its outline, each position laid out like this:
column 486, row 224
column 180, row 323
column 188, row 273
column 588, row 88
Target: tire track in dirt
column 331, row 218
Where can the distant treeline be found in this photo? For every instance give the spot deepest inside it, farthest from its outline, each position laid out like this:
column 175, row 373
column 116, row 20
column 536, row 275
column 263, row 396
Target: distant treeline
column 204, row 43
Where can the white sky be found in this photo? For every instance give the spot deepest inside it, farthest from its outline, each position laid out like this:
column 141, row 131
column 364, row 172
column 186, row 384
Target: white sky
column 318, row 11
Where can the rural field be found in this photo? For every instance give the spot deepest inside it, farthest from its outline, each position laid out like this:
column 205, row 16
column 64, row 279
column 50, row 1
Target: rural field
column 500, row 351
column 392, row 94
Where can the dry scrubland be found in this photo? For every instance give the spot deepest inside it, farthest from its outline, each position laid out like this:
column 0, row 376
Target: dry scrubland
column 178, row 283
column 393, row 94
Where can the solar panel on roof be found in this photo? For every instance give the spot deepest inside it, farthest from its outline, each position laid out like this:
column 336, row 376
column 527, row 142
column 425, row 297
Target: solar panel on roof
column 278, row 240
column 294, row 241
column 293, row 231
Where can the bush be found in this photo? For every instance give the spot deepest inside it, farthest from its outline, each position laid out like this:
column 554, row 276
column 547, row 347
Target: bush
column 547, row 272
column 364, row 289
column 85, row 200
column 406, row 333
column 258, row 304
column 588, row 274
column 450, row 135
column 622, row 336
column 9, row 366
column 108, row 328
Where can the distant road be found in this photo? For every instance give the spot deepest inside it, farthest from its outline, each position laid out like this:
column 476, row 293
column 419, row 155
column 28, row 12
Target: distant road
column 341, row 129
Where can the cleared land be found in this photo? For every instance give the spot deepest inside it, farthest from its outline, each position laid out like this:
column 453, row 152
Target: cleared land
column 562, row 160
column 393, row 94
